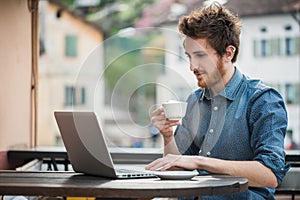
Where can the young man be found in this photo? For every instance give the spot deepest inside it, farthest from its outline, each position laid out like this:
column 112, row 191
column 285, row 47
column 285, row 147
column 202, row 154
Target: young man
column 233, row 125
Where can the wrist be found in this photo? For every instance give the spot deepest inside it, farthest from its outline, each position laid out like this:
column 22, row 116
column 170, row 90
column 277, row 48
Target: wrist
column 167, row 139
column 200, row 161
column 166, row 134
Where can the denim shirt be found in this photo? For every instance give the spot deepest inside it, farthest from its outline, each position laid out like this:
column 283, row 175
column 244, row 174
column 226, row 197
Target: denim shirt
column 246, row 121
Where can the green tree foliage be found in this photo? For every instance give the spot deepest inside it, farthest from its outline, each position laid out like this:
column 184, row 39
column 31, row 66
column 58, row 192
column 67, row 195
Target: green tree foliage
column 112, row 15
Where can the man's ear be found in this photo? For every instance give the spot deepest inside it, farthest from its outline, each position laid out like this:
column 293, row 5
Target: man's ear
column 230, row 51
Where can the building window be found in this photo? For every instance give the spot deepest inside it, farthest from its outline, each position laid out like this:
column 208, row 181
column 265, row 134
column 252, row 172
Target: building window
column 288, row 46
column 262, row 48
column 291, row 46
column 83, row 95
column 69, row 95
column 75, row 96
column 292, row 93
column 71, row 45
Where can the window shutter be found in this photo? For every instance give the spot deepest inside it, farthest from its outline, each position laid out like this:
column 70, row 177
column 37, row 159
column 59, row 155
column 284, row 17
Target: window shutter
column 83, row 96
column 255, row 48
column 275, row 46
column 296, row 45
column 71, row 45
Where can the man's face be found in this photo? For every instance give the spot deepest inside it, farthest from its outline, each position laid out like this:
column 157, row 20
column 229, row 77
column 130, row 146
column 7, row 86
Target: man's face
column 204, row 62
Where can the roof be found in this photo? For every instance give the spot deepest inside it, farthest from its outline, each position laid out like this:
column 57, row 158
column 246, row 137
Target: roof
column 77, row 14
column 169, row 11
column 262, row 7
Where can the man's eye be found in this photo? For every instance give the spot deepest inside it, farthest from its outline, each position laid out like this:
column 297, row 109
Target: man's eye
column 200, row 55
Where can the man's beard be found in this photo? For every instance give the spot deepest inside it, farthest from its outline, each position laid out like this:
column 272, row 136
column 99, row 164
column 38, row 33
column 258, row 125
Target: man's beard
column 220, row 68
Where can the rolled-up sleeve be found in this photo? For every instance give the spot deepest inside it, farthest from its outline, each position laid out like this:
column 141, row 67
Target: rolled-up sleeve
column 268, row 123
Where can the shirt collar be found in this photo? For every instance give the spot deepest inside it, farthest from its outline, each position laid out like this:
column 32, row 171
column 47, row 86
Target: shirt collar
column 230, row 89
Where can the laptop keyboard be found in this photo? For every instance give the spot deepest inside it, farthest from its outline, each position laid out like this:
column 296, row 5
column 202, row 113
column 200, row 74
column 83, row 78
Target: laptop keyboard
column 130, row 173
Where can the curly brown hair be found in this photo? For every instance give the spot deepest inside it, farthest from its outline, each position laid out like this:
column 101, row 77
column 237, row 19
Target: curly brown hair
column 215, row 23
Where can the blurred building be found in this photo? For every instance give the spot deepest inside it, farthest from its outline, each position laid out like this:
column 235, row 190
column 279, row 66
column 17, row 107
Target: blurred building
column 269, row 48
column 71, row 77
column 70, row 67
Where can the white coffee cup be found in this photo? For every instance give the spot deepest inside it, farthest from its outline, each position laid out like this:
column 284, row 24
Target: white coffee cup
column 174, row 110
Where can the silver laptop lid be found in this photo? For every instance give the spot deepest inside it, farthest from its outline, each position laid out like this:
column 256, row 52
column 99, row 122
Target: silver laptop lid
column 85, row 144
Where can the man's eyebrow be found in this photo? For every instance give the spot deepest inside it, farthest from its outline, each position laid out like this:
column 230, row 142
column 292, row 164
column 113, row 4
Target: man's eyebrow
column 195, row 52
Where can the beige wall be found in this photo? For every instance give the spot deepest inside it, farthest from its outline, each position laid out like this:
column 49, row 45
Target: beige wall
column 15, row 74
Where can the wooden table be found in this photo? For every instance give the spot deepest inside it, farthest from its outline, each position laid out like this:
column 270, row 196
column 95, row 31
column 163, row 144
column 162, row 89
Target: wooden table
column 74, row 184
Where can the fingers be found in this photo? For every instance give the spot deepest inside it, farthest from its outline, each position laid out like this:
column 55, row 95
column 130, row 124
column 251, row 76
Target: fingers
column 175, row 162
column 155, row 165
column 160, row 121
column 158, row 111
column 158, row 116
column 165, row 163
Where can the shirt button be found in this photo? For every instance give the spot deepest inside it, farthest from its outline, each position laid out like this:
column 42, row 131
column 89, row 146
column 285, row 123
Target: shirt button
column 208, row 153
column 216, row 108
column 211, row 130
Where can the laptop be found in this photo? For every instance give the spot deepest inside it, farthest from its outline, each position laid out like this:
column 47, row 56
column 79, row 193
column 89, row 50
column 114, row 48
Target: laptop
column 86, row 147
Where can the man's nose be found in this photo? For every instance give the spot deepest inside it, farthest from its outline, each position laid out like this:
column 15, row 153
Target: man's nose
column 193, row 66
